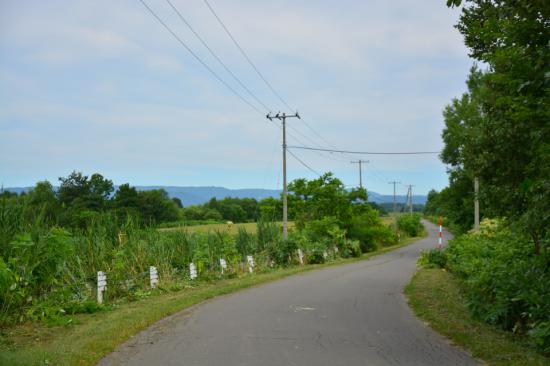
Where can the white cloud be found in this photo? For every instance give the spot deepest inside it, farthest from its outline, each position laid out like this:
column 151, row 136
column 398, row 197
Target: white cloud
column 116, row 90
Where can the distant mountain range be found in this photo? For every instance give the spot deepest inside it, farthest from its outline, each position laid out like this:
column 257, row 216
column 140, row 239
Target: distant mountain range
column 200, row 195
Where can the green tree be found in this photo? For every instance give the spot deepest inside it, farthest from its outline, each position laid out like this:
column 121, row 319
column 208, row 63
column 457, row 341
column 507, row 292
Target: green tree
column 83, row 198
column 316, row 199
column 177, row 201
column 155, row 206
column 78, row 190
column 499, row 130
column 42, row 204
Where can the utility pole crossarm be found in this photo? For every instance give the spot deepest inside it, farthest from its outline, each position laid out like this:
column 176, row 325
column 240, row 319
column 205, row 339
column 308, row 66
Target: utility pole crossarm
column 283, row 117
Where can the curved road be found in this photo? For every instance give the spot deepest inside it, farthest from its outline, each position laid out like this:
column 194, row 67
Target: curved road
column 352, row 314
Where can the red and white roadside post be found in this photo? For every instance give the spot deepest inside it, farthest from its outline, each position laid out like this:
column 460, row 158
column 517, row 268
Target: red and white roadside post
column 439, row 239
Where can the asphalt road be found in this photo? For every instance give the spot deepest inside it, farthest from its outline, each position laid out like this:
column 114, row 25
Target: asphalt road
column 352, row 314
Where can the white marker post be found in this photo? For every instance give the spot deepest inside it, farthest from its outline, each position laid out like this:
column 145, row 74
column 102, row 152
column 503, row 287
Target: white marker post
column 223, row 265
column 101, row 286
column 153, row 277
column 250, row 261
column 440, row 239
column 300, row 256
column 192, row 271
column 325, row 254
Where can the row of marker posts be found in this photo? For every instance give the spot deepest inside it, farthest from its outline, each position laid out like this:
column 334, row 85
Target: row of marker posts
column 193, row 274
column 154, row 277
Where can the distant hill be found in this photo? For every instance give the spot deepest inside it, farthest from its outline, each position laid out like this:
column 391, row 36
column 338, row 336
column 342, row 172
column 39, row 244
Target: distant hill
column 199, row 195
column 384, row 198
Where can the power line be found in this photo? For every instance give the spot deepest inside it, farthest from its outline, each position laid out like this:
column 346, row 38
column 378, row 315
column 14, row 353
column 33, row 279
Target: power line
column 304, row 136
column 365, row 152
column 216, row 56
column 198, row 58
column 246, row 56
column 318, row 135
column 304, row 164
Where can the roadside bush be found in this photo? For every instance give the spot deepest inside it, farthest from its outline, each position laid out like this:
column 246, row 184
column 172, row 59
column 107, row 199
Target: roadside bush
column 350, row 248
column 33, row 264
column 370, row 237
column 316, row 255
column 410, row 224
column 281, row 251
column 434, row 257
column 506, row 284
column 319, row 230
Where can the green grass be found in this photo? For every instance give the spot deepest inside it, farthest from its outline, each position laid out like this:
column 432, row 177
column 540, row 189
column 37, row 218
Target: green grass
column 435, row 296
column 225, row 228
column 386, row 220
column 92, row 336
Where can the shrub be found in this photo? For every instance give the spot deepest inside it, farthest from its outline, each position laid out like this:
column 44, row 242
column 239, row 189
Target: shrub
column 410, row 224
column 283, row 251
column 318, row 230
column 434, row 257
column 316, row 256
column 351, row 248
column 506, row 284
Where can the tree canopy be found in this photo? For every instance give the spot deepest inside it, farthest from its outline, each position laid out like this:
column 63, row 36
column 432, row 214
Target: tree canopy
column 499, row 131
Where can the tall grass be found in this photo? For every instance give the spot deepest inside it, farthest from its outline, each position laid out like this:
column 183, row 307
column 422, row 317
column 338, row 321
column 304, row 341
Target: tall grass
column 47, row 271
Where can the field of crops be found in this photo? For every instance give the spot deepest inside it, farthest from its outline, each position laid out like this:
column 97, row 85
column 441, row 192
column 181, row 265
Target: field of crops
column 231, row 229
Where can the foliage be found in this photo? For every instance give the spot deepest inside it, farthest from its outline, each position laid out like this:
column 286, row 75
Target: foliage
column 155, row 206
column 351, row 248
column 455, row 203
column 437, row 297
column 499, row 130
column 434, row 257
column 323, row 197
column 53, row 243
column 370, row 232
column 505, row 282
column 410, row 224
column 81, row 199
column 245, row 242
column 268, row 233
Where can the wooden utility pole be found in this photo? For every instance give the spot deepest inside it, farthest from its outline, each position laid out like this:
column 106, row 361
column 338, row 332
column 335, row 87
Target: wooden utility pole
column 360, row 162
column 283, row 117
column 410, row 197
column 394, row 202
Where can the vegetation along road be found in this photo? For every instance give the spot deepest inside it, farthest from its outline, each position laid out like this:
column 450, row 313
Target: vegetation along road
column 353, row 314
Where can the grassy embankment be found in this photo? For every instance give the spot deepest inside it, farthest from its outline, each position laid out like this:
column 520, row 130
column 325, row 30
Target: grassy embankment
column 435, row 296
column 91, row 336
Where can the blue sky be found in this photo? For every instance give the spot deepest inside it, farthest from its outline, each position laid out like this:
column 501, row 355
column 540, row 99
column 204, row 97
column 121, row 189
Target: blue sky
column 101, row 87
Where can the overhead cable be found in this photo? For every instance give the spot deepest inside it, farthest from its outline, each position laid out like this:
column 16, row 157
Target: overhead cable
column 304, row 164
column 204, row 64
column 226, row 68
column 244, row 54
column 365, row 152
